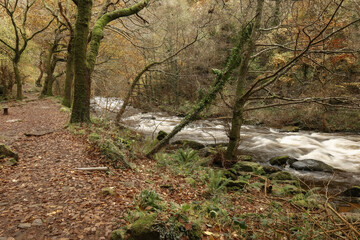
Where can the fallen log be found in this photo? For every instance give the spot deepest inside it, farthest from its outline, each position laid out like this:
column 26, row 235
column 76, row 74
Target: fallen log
column 93, row 169
column 37, row 134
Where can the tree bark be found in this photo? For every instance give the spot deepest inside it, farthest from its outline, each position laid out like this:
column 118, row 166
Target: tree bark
column 81, row 105
column 84, row 62
column 18, row 80
column 237, row 119
column 41, row 69
column 69, row 75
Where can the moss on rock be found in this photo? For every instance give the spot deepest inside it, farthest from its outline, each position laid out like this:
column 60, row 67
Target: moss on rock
column 236, row 185
column 7, row 152
column 117, row 235
column 245, row 166
column 142, row 229
column 281, row 176
column 282, row 160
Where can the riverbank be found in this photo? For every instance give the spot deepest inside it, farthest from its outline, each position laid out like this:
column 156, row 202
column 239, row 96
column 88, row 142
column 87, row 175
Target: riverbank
column 179, row 193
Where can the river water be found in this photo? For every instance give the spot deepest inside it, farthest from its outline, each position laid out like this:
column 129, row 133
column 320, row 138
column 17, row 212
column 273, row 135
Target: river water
column 339, row 150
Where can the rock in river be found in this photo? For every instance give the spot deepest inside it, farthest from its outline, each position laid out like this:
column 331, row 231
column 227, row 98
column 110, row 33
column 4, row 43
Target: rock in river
column 282, row 160
column 311, row 165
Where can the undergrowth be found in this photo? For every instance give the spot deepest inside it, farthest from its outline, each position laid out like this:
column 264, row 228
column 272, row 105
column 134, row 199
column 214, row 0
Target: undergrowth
column 233, row 205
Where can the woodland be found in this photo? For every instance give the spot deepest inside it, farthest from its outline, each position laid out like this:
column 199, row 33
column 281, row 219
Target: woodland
column 68, row 172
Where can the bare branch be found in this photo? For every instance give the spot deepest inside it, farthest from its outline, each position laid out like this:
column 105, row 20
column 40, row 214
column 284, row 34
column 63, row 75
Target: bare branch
column 139, row 75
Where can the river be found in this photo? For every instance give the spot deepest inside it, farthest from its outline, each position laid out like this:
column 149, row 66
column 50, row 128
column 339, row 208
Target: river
column 339, row 150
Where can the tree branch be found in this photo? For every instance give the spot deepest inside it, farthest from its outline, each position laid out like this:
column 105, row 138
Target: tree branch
column 138, row 76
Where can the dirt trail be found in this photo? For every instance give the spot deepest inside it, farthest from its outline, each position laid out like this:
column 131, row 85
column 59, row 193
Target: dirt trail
column 44, row 197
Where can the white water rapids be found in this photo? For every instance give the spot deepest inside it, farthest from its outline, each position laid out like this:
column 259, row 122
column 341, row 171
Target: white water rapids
column 339, row 150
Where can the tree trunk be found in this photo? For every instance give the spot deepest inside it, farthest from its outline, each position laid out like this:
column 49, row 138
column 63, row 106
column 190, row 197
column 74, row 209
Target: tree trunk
column 84, row 62
column 69, row 75
column 49, row 70
column 237, row 119
column 81, row 110
column 19, row 95
column 41, row 68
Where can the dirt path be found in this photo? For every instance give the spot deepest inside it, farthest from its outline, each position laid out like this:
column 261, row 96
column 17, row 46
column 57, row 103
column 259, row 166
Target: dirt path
column 44, row 197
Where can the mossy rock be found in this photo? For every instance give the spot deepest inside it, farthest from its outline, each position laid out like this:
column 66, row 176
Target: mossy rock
column 117, row 234
column 142, row 229
column 281, row 176
column 353, row 191
column 161, row 135
column 290, row 129
column 10, row 162
column 7, row 152
column 270, row 169
column 287, row 189
column 235, row 185
column 189, row 144
column 245, row 166
column 282, row 160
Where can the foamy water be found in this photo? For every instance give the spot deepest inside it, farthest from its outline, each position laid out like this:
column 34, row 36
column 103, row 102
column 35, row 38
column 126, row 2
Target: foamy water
column 341, row 151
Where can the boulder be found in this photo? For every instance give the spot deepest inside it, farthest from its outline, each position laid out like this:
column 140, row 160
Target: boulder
column 311, row 165
column 271, row 169
column 290, row 129
column 245, row 166
column 281, row 176
column 282, row 160
column 189, row 144
column 142, row 229
column 236, row 184
column 7, row 152
column 353, row 191
column 117, row 235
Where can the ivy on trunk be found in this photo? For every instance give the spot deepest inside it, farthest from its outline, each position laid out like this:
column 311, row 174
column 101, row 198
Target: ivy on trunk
column 84, row 61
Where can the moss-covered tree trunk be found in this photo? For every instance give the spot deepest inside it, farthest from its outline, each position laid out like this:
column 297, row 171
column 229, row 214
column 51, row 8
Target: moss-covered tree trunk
column 41, row 69
column 222, row 78
column 240, row 99
column 49, row 70
column 84, row 62
column 81, row 108
column 69, row 75
column 50, row 63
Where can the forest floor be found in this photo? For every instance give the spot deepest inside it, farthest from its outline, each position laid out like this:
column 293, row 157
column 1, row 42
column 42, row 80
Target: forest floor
column 45, row 197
